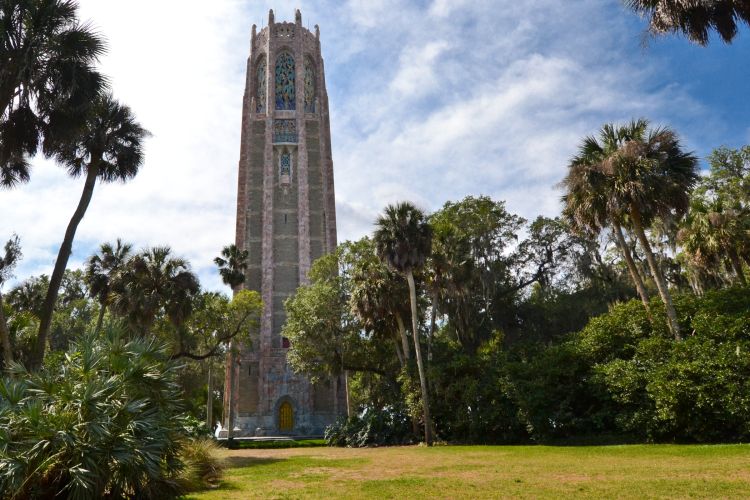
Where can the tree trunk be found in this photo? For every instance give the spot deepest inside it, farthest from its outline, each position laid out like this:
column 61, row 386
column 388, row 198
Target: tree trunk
column 418, row 350
column 37, row 357
column 100, row 319
column 734, row 258
column 637, row 280
column 400, row 356
column 346, row 391
column 230, row 397
column 404, row 338
column 661, row 284
column 433, row 314
column 210, row 400
column 5, row 334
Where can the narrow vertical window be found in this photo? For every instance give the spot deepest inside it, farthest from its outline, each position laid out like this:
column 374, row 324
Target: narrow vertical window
column 309, row 86
column 260, row 86
column 285, row 77
column 286, row 164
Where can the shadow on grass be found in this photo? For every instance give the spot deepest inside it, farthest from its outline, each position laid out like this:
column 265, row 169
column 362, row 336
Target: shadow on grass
column 242, row 462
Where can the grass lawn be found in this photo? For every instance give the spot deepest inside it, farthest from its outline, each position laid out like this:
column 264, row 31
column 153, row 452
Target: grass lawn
column 634, row 471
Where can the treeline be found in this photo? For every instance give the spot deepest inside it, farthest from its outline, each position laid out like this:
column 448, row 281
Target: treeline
column 652, row 250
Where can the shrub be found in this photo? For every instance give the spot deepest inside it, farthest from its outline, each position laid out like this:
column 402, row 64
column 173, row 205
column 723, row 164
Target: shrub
column 102, row 422
column 372, row 427
column 694, row 390
column 203, row 465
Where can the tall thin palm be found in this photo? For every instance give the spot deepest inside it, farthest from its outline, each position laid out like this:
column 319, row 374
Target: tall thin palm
column 109, row 148
column 47, row 59
column 232, row 264
column 648, row 175
column 694, row 18
column 585, row 204
column 101, row 268
column 7, row 262
column 403, row 239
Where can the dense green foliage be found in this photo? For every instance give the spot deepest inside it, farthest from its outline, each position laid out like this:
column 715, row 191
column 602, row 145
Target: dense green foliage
column 620, row 376
column 373, row 427
column 538, row 338
column 102, row 421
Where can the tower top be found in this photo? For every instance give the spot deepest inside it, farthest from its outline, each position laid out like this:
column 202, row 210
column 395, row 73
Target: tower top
column 285, row 29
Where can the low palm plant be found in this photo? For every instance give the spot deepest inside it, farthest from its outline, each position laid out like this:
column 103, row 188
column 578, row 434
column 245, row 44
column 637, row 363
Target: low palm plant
column 104, row 421
column 203, row 466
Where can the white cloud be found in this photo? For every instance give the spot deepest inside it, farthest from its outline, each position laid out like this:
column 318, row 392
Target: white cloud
column 427, row 103
column 417, row 68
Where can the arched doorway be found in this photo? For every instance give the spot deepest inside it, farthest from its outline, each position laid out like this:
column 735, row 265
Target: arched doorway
column 286, row 417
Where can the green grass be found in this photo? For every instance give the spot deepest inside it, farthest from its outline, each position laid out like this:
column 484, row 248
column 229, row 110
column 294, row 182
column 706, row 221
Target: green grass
column 632, row 471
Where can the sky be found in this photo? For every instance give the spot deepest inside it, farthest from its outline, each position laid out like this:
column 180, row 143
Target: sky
column 430, row 101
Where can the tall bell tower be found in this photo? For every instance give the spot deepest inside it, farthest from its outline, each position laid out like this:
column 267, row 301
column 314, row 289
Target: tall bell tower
column 286, row 218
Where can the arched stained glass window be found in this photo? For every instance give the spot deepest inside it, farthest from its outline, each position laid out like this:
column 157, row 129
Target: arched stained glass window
column 309, row 86
column 285, row 96
column 260, row 82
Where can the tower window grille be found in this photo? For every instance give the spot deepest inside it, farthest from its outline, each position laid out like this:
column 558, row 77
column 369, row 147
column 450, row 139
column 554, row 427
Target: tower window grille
column 284, row 131
column 285, row 169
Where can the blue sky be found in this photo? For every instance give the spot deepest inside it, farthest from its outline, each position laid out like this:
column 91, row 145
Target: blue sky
column 431, row 101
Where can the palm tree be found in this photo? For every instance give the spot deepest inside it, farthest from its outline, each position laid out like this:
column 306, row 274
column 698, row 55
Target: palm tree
column 648, row 176
column 402, row 240
column 101, row 269
column 694, row 18
column 7, row 263
column 585, row 201
column 109, row 148
column 377, row 299
column 232, row 264
column 712, row 232
column 46, row 63
column 153, row 283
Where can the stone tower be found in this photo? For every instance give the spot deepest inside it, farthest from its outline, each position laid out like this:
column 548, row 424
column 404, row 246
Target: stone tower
column 286, row 218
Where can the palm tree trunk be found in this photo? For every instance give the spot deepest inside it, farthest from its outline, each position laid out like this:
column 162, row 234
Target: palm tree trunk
column 5, row 334
column 433, row 317
column 230, row 397
column 637, row 280
column 418, row 350
column 210, row 399
column 661, row 284
column 404, row 338
column 37, row 357
column 734, row 258
column 100, row 319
